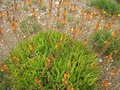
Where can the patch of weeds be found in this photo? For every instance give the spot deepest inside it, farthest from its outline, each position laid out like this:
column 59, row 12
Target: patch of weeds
column 109, row 6
column 70, row 18
column 25, row 8
column 44, row 7
column 34, row 1
column 98, row 42
column 29, row 28
column 58, row 25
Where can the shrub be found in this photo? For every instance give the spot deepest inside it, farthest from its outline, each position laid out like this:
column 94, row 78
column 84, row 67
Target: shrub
column 109, row 6
column 98, row 41
column 51, row 61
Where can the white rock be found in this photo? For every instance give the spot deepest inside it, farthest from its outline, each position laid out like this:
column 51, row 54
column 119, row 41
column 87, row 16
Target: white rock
column 100, row 60
column 56, row 3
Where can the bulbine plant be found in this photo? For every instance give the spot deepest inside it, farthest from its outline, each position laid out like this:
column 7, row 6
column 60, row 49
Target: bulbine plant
column 50, row 61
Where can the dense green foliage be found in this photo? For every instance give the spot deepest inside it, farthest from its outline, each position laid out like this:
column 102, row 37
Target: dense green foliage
column 42, row 62
column 109, row 6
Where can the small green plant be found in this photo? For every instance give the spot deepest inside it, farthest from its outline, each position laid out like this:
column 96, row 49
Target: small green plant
column 25, row 8
column 58, row 25
column 98, row 42
column 51, row 61
column 44, row 7
column 109, row 6
column 29, row 28
column 70, row 19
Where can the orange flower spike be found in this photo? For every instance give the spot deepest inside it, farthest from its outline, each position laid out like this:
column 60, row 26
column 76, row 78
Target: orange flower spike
column 95, row 13
column 92, row 66
column 116, row 51
column 7, row 15
column 1, row 14
column 79, row 32
column 31, row 47
column 4, row 67
column 14, row 21
column 70, row 87
column 15, row 6
column 106, row 83
column 1, row 31
column 29, row 2
column 39, row 2
column 63, row 38
column 37, row 80
column 74, row 8
column 97, row 25
column 115, row 33
column 64, row 21
column 85, row 41
column 113, row 72
column 14, row 27
column 14, row 57
column 60, row 3
column 113, row 16
column 82, row 12
column 65, row 3
column 118, row 68
column 65, row 12
column 51, row 4
column 33, row 12
column 66, row 78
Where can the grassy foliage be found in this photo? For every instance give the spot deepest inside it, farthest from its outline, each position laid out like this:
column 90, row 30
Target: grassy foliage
column 98, row 41
column 109, row 6
column 70, row 19
column 29, row 28
column 51, row 61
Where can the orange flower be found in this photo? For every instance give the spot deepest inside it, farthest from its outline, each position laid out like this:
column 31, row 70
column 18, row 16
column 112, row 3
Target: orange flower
column 65, row 12
column 8, row 15
column 14, row 27
column 82, row 12
column 79, row 32
column 74, row 7
column 115, row 33
column 37, row 80
column 97, row 25
column 63, row 38
column 40, row 2
column 64, row 21
column 106, row 83
column 15, row 6
column 93, row 65
column 113, row 72
column 118, row 68
column 66, row 78
column 49, row 62
column 3, row 67
column 33, row 12
column 1, row 30
column 29, row 2
column 1, row 14
column 70, row 87
column 31, row 47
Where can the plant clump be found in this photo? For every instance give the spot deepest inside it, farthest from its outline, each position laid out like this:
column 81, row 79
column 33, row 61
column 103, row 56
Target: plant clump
column 50, row 61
